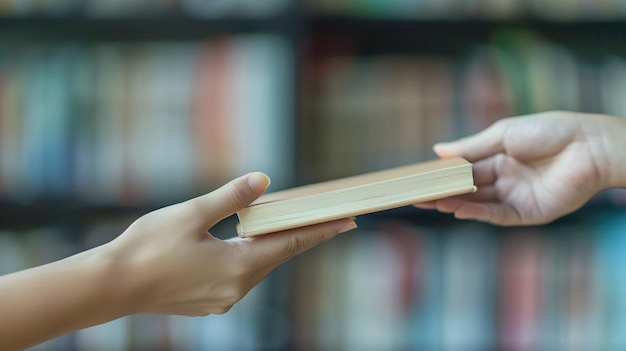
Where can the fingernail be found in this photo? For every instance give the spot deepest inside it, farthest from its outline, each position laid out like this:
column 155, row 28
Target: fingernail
column 258, row 180
column 347, row 227
column 461, row 217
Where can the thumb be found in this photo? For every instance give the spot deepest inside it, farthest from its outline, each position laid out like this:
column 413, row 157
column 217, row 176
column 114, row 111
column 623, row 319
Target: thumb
column 476, row 147
column 230, row 197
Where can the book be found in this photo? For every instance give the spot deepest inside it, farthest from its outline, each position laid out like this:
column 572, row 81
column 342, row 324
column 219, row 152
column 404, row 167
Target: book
column 356, row 195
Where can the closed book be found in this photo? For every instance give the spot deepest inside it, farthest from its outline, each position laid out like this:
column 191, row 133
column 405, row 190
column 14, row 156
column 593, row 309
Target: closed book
column 356, row 195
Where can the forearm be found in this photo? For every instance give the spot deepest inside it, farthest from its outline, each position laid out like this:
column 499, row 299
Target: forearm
column 44, row 302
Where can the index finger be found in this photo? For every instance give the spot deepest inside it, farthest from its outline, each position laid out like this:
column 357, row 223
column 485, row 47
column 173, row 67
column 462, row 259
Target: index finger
column 483, row 144
column 282, row 246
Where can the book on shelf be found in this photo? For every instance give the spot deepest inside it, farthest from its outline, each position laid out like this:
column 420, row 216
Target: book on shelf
column 356, row 195
column 402, row 104
column 147, row 122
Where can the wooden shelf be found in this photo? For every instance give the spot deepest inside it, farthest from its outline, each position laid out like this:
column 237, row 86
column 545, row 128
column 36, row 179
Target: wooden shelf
column 135, row 28
column 454, row 36
column 15, row 215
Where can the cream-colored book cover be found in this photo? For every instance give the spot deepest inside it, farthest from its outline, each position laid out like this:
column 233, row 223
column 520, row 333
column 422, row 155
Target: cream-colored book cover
column 356, row 195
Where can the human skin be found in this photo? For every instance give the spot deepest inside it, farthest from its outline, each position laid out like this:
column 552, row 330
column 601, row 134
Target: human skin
column 166, row 262
column 531, row 170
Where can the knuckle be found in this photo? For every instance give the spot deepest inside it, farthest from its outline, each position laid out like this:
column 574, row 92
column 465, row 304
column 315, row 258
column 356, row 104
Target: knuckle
column 227, row 302
column 192, row 210
column 233, row 294
column 236, row 197
column 294, row 246
column 222, row 309
column 201, row 313
column 145, row 222
column 189, row 212
column 211, row 308
column 236, row 294
column 501, row 124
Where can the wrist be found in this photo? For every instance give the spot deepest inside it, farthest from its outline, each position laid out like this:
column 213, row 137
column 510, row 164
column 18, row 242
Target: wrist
column 134, row 276
column 114, row 281
column 607, row 141
column 615, row 149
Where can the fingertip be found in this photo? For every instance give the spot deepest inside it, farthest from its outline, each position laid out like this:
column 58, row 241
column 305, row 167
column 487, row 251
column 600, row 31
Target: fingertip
column 462, row 216
column 445, row 150
column 437, row 147
column 428, row 205
column 258, row 181
column 348, row 226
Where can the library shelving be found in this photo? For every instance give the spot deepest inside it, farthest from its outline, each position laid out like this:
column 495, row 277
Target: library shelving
column 141, row 105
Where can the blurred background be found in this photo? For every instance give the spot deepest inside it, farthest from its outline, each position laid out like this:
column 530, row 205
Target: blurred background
column 111, row 108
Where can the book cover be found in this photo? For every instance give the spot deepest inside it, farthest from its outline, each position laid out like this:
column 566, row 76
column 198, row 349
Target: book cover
column 356, row 195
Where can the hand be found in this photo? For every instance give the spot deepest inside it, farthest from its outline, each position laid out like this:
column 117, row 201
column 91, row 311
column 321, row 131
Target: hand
column 165, row 262
column 533, row 169
column 182, row 269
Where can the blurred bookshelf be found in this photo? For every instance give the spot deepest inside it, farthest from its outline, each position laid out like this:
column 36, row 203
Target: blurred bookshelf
column 142, row 104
